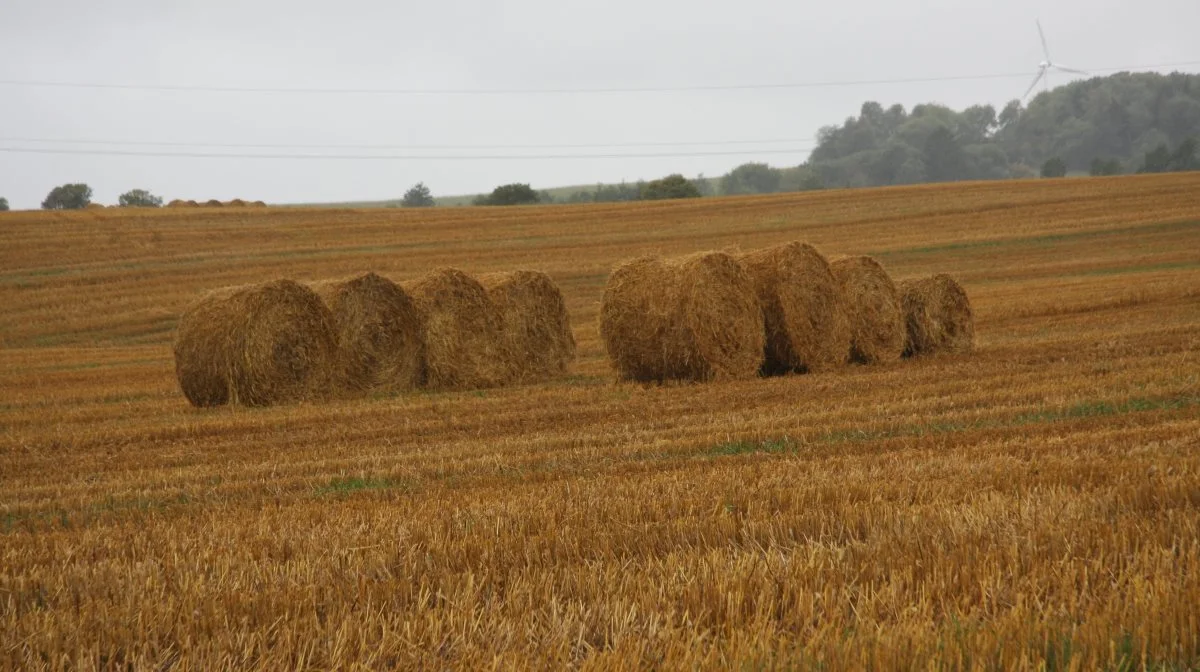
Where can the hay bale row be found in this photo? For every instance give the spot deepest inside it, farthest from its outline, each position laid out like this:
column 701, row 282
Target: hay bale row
column 281, row 342
column 214, row 203
column 690, row 318
column 779, row 310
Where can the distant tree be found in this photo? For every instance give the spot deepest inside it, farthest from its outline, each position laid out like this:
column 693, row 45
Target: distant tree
column 1157, row 160
column 703, row 185
column 139, row 198
column 671, row 186
column 1184, row 157
column 612, row 193
column 68, row 197
column 581, row 196
column 1054, row 167
column 1101, row 167
column 3, row 204
column 510, row 194
column 944, row 158
column 751, row 178
column 418, row 196
column 545, row 197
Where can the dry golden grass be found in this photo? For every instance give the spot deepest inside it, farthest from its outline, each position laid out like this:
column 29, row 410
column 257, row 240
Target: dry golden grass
column 1032, row 505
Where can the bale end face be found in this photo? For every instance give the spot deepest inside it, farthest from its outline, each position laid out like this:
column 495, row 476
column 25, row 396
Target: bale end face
column 536, row 328
column 257, row 346
column 937, row 315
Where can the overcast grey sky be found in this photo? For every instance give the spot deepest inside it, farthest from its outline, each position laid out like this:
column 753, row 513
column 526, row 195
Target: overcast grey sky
column 519, row 44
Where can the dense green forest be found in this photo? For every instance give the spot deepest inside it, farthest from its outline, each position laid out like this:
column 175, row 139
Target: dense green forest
column 1106, row 125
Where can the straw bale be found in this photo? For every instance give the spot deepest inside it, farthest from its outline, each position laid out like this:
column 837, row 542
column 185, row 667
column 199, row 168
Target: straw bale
column 536, row 327
column 806, row 325
column 690, row 318
column 256, row 345
column 937, row 315
column 872, row 306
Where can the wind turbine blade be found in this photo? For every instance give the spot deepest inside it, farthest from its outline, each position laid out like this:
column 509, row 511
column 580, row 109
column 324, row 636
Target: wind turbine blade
column 1066, row 69
column 1045, row 49
column 1034, row 84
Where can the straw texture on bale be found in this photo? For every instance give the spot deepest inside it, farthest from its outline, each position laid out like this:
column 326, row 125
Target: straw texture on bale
column 804, row 318
column 381, row 346
column 872, row 306
column 535, row 326
column 937, row 316
column 237, row 203
column 177, row 203
column 214, row 203
column 691, row 318
column 463, row 344
column 256, row 345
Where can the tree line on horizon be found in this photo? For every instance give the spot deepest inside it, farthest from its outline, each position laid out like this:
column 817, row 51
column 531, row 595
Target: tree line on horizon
column 1122, row 123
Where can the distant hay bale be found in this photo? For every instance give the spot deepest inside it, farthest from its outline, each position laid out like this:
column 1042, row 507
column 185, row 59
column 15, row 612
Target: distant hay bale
column 256, row 345
column 937, row 316
column 872, row 306
column 691, row 318
column 95, row 206
column 257, row 204
column 805, row 320
column 213, row 203
column 463, row 344
column 177, row 203
column 535, row 324
column 381, row 345
column 193, row 204
column 236, row 203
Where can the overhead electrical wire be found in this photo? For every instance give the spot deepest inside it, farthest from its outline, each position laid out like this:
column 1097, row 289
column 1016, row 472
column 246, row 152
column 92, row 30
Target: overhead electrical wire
column 396, row 157
column 549, row 91
column 256, row 145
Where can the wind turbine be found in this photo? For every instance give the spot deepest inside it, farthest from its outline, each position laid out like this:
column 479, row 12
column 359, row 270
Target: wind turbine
column 1046, row 65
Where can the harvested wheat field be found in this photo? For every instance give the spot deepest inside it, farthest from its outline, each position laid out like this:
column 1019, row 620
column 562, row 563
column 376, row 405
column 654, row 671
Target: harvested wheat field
column 1031, row 504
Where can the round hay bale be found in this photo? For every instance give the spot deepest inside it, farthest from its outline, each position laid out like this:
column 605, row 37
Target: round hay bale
column 236, row 203
column 95, row 206
column 213, row 203
column 463, row 344
column 256, row 345
column 872, row 306
column 177, row 203
column 535, row 325
column 805, row 320
column 193, row 204
column 937, row 316
column 381, row 345
column 690, row 318
column 258, row 204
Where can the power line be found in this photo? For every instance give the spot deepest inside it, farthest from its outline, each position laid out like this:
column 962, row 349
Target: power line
column 236, row 145
column 396, row 157
column 180, row 88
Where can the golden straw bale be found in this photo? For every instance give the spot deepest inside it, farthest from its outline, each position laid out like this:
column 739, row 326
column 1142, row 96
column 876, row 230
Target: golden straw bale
column 464, row 348
column 236, row 203
column 177, row 203
column 213, row 203
column 256, row 345
column 872, row 306
column 536, row 326
column 806, row 325
column 690, row 318
column 937, row 315
column 381, row 345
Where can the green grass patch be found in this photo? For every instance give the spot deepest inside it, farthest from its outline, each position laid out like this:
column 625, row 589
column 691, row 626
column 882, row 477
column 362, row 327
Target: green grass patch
column 352, row 484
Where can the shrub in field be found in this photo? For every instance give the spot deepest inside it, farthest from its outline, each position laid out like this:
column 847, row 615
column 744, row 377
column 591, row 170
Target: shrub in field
column 256, row 345
column 139, row 198
column 536, row 326
column 68, row 197
column 805, row 320
column 689, row 318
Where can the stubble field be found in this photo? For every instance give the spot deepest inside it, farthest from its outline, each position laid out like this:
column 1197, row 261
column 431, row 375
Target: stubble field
column 1034, row 504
